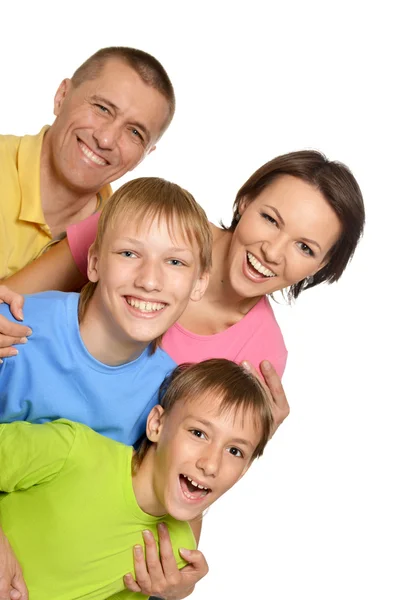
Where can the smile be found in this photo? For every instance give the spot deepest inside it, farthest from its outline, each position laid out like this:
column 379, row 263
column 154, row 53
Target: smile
column 144, row 306
column 254, row 262
column 191, row 489
column 91, row 155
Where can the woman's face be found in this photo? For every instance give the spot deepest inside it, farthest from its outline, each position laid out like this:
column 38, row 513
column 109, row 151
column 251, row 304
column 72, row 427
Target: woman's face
column 283, row 236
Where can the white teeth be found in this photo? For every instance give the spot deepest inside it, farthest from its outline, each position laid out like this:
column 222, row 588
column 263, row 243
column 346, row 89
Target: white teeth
column 145, row 306
column 259, row 267
column 195, row 484
column 93, row 157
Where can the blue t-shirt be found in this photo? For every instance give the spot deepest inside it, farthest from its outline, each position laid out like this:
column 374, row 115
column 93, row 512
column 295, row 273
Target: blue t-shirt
column 54, row 376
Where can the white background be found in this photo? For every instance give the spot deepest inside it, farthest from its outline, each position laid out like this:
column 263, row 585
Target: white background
column 317, row 516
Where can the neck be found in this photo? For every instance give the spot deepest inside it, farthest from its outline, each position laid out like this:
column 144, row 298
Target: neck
column 103, row 340
column 219, row 290
column 62, row 205
column 143, row 486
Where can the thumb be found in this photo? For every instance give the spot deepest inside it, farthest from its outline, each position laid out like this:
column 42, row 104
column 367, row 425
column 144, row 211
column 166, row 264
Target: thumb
column 196, row 560
column 19, row 587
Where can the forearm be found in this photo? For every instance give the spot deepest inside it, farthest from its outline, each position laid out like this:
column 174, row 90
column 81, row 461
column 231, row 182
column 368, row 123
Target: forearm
column 54, row 270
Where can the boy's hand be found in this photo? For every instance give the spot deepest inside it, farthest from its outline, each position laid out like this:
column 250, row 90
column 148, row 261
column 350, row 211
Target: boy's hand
column 11, row 333
column 12, row 584
column 160, row 576
column 275, row 391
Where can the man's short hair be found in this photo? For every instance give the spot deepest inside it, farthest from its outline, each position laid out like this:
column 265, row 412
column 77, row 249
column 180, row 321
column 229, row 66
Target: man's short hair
column 146, row 66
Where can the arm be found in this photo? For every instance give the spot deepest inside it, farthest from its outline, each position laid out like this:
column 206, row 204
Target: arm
column 54, row 270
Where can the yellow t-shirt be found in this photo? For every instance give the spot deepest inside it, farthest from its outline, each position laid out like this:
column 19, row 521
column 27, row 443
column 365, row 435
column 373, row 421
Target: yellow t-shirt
column 70, row 513
column 24, row 232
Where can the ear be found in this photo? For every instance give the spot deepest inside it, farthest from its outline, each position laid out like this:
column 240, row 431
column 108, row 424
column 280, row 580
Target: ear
column 199, row 287
column 242, row 205
column 154, row 423
column 92, row 265
column 151, row 150
column 60, row 95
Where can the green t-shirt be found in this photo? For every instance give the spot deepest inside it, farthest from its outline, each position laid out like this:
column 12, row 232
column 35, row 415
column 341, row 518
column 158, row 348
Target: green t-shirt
column 68, row 509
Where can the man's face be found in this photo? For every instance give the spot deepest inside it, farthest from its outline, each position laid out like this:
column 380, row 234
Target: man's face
column 104, row 127
column 200, row 454
column 145, row 278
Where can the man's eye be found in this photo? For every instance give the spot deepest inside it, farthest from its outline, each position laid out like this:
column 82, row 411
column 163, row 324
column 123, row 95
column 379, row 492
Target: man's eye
column 136, row 133
column 269, row 218
column 102, row 108
column 235, row 452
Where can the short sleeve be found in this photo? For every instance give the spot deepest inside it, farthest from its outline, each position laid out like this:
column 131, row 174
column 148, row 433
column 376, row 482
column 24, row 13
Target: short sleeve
column 32, row 454
column 80, row 237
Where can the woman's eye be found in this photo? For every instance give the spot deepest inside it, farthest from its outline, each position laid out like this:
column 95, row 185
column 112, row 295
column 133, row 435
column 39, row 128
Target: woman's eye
column 236, row 452
column 197, row 433
column 305, row 249
column 269, row 218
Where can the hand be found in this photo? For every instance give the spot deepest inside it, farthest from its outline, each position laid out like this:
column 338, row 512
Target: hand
column 12, row 584
column 12, row 333
column 160, row 576
column 275, row 391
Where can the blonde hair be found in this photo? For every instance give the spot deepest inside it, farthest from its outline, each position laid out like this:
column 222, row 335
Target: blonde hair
column 145, row 200
column 237, row 389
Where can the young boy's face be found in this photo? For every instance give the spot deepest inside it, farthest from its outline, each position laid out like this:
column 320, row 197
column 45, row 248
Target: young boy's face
column 145, row 279
column 199, row 454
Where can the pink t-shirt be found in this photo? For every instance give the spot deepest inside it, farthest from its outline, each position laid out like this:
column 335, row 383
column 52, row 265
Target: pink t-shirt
column 256, row 337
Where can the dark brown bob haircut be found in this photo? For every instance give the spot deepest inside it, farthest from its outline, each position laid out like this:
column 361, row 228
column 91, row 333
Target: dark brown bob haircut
column 146, row 66
column 238, row 391
column 340, row 189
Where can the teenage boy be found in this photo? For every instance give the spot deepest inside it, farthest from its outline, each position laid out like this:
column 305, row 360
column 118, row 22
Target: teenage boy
column 92, row 357
column 109, row 117
column 77, row 501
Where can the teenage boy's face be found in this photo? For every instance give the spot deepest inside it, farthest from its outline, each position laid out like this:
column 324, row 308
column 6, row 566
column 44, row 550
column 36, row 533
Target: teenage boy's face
column 145, row 279
column 200, row 454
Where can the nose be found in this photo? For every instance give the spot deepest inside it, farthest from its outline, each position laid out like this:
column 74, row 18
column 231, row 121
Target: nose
column 149, row 276
column 210, row 460
column 106, row 135
column 273, row 249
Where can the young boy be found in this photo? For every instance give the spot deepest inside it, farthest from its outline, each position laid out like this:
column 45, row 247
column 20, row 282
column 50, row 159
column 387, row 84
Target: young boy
column 75, row 501
column 92, row 358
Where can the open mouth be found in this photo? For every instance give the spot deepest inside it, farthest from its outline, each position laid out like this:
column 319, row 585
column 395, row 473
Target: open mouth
column 144, row 306
column 257, row 269
column 92, row 156
column 192, row 490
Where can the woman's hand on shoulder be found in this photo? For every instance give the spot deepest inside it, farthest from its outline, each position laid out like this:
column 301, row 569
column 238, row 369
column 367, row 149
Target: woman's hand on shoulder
column 12, row 333
column 274, row 388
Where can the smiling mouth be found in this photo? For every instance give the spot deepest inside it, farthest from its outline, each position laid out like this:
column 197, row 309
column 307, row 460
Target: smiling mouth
column 144, row 306
column 191, row 489
column 258, row 267
column 92, row 155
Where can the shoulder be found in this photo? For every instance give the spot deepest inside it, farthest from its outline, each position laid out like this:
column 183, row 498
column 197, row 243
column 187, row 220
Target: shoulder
column 162, row 358
column 9, row 145
column 42, row 307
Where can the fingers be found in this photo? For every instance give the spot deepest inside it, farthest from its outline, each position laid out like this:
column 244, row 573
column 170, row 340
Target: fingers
column 130, row 583
column 148, row 568
column 19, row 586
column 197, row 567
column 168, row 560
column 274, row 384
column 16, row 301
column 15, row 330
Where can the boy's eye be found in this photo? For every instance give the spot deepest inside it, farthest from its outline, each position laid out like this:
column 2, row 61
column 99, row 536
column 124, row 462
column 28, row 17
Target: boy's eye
column 269, row 218
column 235, row 452
column 305, row 249
column 128, row 254
column 198, row 433
column 175, row 262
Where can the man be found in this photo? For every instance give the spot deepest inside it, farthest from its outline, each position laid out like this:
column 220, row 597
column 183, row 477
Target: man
column 109, row 117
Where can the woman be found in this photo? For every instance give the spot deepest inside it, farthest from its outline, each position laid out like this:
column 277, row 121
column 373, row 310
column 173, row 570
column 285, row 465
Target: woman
column 296, row 223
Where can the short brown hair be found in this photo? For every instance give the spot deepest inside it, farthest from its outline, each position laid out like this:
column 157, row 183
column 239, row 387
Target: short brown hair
column 339, row 188
column 144, row 200
column 146, row 66
column 238, row 390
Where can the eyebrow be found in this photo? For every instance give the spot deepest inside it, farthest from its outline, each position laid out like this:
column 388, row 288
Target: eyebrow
column 137, row 124
column 171, row 249
column 307, row 240
column 209, row 424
